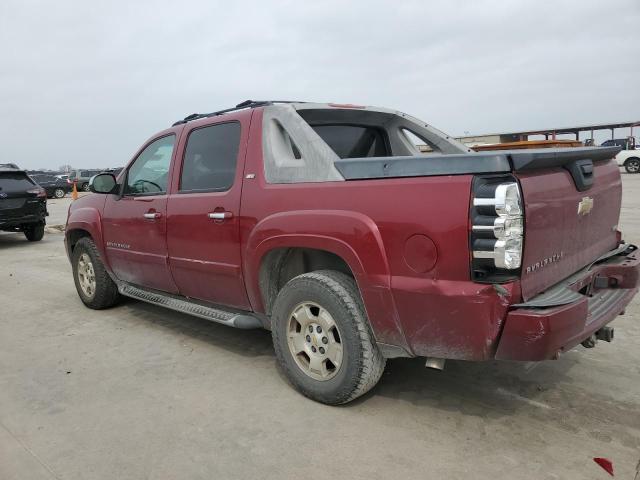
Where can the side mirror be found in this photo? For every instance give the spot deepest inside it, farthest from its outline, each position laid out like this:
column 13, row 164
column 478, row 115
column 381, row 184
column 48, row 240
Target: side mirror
column 103, row 183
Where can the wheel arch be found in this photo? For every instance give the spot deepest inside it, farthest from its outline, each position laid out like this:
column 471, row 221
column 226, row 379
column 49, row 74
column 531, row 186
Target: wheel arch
column 313, row 240
column 85, row 222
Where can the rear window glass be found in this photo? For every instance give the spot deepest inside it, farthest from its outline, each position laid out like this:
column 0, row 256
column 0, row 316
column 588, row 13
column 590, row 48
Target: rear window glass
column 14, row 182
column 354, row 141
column 210, row 158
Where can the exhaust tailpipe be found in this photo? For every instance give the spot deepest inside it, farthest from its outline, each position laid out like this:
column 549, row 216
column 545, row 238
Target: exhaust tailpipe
column 435, row 363
column 605, row 333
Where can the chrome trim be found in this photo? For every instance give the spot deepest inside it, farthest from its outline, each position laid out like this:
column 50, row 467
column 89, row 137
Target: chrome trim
column 217, row 215
column 480, row 202
column 482, row 228
column 483, row 254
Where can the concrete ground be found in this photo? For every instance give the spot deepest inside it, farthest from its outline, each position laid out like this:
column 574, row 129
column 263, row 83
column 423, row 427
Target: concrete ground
column 141, row 392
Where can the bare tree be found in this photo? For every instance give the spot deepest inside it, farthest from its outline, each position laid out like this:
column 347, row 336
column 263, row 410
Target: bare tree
column 65, row 168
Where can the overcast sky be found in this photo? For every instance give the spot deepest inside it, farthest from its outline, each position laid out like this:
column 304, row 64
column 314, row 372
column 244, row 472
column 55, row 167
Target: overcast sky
column 86, row 82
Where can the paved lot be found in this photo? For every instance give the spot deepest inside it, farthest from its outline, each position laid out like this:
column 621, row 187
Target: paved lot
column 141, row 392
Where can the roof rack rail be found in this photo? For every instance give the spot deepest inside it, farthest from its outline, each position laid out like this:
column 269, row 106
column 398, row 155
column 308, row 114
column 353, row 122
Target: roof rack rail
column 240, row 106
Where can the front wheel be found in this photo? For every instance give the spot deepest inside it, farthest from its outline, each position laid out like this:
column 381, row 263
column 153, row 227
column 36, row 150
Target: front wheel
column 34, row 232
column 85, row 187
column 59, row 193
column 322, row 338
column 632, row 165
column 94, row 286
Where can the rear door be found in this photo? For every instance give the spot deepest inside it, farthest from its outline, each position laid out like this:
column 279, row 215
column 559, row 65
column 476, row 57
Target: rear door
column 135, row 224
column 203, row 230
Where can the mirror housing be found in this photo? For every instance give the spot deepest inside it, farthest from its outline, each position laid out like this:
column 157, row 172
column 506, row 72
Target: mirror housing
column 103, row 183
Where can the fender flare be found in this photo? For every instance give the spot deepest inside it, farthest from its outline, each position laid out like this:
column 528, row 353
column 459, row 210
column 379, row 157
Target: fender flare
column 89, row 220
column 353, row 237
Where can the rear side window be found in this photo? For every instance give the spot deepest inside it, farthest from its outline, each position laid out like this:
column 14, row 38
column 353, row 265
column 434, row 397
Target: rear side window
column 14, row 182
column 210, row 158
column 354, row 141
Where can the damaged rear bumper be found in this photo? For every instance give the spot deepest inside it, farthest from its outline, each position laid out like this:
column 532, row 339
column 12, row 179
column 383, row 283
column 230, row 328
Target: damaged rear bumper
column 568, row 313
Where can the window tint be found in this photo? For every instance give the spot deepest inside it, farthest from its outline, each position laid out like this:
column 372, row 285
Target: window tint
column 353, row 141
column 14, row 182
column 150, row 171
column 210, row 158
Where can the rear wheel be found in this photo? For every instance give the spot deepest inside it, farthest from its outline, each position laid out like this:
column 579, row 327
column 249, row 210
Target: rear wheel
column 94, row 286
column 34, row 232
column 85, row 187
column 59, row 193
column 322, row 338
column 632, row 165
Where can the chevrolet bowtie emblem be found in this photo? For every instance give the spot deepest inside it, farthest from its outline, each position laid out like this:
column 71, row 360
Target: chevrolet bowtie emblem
column 585, row 205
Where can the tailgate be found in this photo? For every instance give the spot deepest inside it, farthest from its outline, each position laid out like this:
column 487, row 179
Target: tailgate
column 572, row 203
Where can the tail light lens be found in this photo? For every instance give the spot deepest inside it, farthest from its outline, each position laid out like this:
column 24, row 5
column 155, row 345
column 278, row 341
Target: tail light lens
column 497, row 229
column 40, row 192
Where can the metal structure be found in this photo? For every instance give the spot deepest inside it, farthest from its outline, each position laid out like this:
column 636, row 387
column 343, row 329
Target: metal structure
column 548, row 133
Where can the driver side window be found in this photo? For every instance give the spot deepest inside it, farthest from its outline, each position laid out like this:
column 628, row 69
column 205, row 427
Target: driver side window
column 148, row 174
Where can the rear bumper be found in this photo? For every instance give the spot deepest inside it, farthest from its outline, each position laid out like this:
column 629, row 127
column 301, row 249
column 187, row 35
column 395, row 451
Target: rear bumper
column 600, row 294
column 14, row 222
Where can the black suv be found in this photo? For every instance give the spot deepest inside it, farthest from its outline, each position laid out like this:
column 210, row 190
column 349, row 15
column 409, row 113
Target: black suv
column 23, row 204
column 54, row 186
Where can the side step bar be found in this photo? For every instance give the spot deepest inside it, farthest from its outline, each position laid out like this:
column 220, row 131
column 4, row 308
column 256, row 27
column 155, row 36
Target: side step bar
column 231, row 319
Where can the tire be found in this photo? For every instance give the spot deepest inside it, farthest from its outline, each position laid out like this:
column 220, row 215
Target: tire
column 34, row 232
column 85, row 187
column 59, row 193
column 104, row 293
column 361, row 362
column 632, row 165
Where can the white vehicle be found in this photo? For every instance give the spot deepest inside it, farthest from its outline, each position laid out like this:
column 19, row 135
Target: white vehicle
column 629, row 156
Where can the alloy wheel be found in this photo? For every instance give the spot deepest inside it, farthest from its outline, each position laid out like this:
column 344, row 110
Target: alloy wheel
column 86, row 275
column 314, row 341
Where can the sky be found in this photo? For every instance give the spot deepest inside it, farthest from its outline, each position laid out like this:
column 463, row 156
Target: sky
column 85, row 83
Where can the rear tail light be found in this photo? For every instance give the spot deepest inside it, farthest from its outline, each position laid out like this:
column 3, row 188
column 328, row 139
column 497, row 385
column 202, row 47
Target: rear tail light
column 497, row 229
column 40, row 192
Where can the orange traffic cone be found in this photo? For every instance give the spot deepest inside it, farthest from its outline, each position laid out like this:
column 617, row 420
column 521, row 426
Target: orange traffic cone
column 74, row 192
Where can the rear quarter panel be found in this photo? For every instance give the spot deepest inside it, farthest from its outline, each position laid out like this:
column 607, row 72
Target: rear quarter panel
column 368, row 223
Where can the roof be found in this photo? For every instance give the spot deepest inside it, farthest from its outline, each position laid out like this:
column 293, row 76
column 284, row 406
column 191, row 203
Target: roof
column 298, row 105
column 240, row 106
column 10, row 167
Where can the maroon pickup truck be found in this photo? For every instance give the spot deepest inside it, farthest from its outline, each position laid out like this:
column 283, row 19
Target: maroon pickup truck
column 335, row 228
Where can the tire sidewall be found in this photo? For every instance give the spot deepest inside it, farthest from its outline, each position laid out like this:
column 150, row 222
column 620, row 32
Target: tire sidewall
column 57, row 192
column 81, row 248
column 34, row 232
column 628, row 163
column 301, row 290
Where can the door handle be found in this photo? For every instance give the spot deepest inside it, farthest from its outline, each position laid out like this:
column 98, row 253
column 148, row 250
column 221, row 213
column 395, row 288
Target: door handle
column 220, row 215
column 152, row 215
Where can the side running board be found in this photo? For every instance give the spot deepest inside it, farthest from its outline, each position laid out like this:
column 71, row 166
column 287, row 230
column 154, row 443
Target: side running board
column 232, row 319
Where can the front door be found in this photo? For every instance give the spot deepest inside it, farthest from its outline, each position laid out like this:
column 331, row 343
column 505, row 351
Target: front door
column 135, row 224
column 203, row 231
